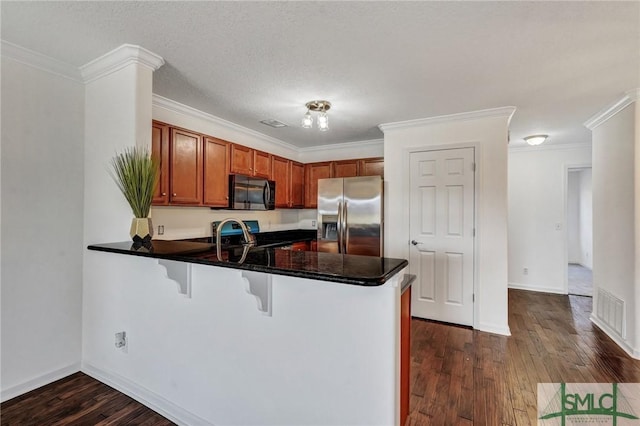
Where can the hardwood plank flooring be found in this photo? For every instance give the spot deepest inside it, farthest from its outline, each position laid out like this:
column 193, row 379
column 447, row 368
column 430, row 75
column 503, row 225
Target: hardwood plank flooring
column 77, row 400
column 463, row 376
column 458, row 376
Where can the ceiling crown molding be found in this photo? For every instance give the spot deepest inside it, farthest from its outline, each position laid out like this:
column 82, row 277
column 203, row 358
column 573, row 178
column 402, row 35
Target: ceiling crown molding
column 605, row 114
column 507, row 111
column 119, row 58
column 374, row 143
column 39, row 61
column 177, row 107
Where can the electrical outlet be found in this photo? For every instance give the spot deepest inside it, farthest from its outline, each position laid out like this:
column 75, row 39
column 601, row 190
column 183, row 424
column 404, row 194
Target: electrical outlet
column 558, row 226
column 525, row 271
column 121, row 340
column 160, row 229
column 313, row 223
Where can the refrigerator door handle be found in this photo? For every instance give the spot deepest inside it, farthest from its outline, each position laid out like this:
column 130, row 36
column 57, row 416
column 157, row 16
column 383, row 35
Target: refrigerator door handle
column 345, row 229
column 339, row 226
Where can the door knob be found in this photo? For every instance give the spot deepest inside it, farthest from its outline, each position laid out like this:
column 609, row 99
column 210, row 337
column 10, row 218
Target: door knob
column 415, row 243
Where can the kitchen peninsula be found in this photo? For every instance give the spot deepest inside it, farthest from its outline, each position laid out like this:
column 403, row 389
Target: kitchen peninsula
column 321, row 346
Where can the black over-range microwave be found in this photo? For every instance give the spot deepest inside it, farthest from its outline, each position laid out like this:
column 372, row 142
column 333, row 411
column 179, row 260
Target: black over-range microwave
column 251, row 193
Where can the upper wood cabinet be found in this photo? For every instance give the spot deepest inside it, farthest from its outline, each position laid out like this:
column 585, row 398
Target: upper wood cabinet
column 185, row 180
column 250, row 162
column 261, row 164
column 281, row 174
column 160, row 153
column 289, row 178
column 345, row 168
column 371, row 167
column 313, row 172
column 297, row 185
column 216, row 172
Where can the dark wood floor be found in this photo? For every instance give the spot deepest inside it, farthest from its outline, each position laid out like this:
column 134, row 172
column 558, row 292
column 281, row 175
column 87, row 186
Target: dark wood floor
column 77, row 400
column 461, row 376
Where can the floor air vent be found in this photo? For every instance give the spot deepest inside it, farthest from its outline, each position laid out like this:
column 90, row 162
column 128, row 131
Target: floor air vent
column 610, row 310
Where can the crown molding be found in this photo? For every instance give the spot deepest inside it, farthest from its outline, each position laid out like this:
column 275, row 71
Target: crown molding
column 548, row 147
column 173, row 106
column 38, row 60
column 605, row 114
column 119, row 58
column 346, row 145
column 507, row 111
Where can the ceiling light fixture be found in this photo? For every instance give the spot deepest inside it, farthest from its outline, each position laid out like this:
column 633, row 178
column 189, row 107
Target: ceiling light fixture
column 323, row 119
column 536, row 139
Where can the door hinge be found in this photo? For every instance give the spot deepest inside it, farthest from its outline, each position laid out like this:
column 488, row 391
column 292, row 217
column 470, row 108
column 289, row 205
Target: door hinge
column 474, row 232
column 473, row 167
column 473, row 297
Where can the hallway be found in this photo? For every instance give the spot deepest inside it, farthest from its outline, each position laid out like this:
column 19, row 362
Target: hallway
column 580, row 280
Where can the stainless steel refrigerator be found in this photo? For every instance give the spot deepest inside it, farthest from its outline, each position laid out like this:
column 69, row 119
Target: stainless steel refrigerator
column 350, row 215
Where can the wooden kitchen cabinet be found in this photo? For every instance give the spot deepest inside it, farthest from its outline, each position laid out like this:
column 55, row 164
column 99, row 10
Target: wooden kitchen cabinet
column 345, row 168
column 216, row 172
column 160, row 153
column 185, row 176
column 371, row 167
column 297, row 185
column 289, row 178
column 313, row 172
column 250, row 162
column 281, row 174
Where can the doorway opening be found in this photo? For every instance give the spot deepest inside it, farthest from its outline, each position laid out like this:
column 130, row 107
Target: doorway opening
column 579, row 232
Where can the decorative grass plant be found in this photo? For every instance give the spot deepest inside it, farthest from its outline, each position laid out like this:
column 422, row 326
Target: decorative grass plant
column 136, row 174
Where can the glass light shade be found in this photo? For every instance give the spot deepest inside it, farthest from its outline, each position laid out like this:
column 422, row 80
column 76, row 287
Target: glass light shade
column 323, row 122
column 307, row 121
column 535, row 139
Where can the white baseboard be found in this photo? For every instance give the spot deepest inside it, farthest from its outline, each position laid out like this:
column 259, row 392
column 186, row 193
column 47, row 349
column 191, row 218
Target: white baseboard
column 541, row 289
column 633, row 353
column 495, row 329
column 39, row 381
column 145, row 396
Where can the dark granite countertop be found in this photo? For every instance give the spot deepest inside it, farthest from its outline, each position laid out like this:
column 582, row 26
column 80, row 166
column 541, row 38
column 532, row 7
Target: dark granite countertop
column 341, row 268
column 272, row 238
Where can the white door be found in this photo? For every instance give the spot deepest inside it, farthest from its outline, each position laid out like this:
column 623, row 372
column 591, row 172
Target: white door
column 441, row 234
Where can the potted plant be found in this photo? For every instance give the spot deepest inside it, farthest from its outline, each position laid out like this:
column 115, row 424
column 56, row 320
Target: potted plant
column 136, row 174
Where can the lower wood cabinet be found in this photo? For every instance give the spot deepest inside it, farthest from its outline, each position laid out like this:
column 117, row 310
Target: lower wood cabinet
column 216, row 172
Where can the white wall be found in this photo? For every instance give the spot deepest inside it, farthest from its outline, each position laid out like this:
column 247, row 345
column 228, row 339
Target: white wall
column 42, row 207
column 573, row 217
column 586, row 218
column 487, row 130
column 192, row 222
column 614, row 203
column 537, row 182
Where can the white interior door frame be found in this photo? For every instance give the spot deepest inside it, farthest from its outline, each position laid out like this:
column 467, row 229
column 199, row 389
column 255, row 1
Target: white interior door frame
column 406, row 181
column 565, row 207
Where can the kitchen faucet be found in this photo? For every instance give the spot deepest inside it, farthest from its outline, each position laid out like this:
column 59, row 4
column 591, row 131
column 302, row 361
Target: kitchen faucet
column 249, row 238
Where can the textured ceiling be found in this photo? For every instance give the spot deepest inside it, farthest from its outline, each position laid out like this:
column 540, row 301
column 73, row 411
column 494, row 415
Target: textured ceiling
column 377, row 62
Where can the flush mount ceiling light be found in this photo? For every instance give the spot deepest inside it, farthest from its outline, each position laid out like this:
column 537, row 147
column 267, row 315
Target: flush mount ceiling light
column 535, row 139
column 323, row 120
